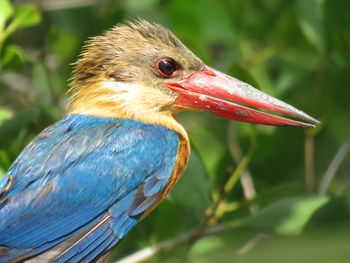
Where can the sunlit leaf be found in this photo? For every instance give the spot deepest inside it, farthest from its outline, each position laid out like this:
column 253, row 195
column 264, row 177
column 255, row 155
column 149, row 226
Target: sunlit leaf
column 26, row 16
column 323, row 245
column 207, row 245
column 285, row 189
column 288, row 216
column 6, row 11
column 5, row 114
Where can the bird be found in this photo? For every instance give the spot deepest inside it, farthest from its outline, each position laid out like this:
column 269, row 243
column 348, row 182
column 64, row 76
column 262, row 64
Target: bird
column 83, row 183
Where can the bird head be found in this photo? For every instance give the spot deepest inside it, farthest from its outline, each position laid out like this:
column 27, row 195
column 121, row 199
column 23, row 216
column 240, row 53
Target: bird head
column 142, row 71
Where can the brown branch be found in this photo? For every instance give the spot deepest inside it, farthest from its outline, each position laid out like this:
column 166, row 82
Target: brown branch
column 309, row 161
column 148, row 252
column 310, row 133
column 246, row 179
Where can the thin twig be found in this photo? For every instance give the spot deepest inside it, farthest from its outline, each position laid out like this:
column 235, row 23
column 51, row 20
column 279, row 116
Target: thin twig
column 148, row 252
column 245, row 178
column 310, row 133
column 333, row 166
column 309, row 160
column 239, row 170
column 252, row 243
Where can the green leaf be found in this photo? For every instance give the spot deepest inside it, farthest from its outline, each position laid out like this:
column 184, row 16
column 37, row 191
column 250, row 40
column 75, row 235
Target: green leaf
column 193, row 184
column 12, row 127
column 26, row 16
column 288, row 216
column 208, row 244
column 321, row 245
column 166, row 221
column 220, row 18
column 310, row 14
column 13, row 56
column 41, row 82
column 5, row 114
column 6, row 11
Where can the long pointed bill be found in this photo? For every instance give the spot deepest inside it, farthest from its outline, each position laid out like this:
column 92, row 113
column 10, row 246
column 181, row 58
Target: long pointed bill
column 230, row 98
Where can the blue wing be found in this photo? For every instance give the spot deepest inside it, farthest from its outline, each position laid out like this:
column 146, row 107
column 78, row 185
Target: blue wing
column 80, row 186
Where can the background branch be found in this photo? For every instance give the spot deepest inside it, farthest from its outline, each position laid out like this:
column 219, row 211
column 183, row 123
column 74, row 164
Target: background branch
column 333, row 166
column 148, row 252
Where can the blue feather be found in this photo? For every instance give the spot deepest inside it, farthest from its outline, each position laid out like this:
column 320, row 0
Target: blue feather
column 75, row 173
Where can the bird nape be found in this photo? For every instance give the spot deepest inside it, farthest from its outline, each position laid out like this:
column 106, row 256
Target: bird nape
column 79, row 187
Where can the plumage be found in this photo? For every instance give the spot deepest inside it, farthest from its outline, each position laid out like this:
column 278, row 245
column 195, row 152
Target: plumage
column 76, row 190
column 83, row 183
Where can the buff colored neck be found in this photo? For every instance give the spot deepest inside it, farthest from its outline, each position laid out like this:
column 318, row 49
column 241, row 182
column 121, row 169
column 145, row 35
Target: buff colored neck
column 110, row 99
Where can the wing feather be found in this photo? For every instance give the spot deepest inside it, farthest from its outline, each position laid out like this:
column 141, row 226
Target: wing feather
column 80, row 186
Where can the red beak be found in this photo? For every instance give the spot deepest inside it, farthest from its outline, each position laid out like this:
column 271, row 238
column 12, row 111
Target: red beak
column 230, row 98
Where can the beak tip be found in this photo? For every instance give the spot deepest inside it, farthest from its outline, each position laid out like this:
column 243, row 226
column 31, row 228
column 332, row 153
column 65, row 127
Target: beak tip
column 313, row 121
column 311, row 126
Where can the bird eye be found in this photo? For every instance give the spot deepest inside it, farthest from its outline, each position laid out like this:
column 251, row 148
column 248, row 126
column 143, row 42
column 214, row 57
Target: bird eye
column 167, row 67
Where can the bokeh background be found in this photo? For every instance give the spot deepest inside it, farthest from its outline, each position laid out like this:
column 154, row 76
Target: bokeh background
column 250, row 193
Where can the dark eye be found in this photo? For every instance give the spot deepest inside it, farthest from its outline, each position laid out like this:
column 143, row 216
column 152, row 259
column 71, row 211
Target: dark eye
column 167, row 67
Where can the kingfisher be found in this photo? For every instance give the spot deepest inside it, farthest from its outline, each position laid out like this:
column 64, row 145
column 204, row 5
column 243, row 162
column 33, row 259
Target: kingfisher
column 84, row 182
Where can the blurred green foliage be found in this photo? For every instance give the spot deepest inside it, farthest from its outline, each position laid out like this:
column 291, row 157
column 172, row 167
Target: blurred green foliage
column 298, row 51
